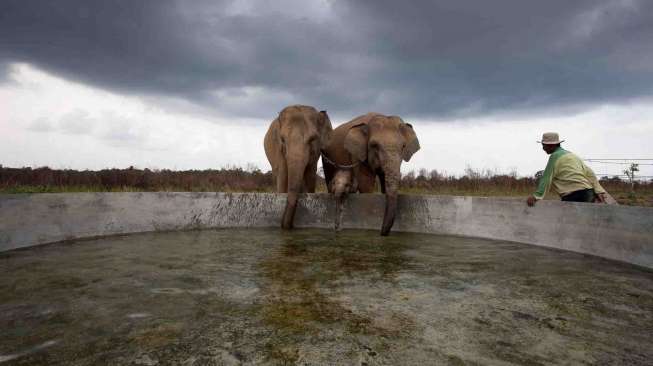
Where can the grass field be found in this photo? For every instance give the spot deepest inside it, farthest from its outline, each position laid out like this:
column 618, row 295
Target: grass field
column 46, row 180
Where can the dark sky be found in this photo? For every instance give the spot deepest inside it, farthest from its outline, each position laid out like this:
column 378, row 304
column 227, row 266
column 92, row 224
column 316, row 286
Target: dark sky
column 429, row 59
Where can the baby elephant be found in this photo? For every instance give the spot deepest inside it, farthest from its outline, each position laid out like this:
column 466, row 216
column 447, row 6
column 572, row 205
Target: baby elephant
column 342, row 183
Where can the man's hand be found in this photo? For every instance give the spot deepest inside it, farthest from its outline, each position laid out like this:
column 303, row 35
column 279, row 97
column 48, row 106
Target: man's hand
column 531, row 201
column 601, row 198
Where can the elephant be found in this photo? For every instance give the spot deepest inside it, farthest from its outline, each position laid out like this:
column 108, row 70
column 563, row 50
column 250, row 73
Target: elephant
column 372, row 145
column 292, row 145
column 342, row 183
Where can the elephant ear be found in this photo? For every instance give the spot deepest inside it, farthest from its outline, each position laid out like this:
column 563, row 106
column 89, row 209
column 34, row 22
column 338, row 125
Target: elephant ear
column 356, row 141
column 324, row 128
column 276, row 130
column 410, row 138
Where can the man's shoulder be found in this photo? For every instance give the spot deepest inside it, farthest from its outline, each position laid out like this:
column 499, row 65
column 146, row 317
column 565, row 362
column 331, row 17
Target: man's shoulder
column 555, row 156
column 568, row 158
column 562, row 153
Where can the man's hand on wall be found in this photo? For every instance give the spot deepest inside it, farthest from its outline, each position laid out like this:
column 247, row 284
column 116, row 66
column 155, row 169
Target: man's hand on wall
column 601, row 198
column 531, row 201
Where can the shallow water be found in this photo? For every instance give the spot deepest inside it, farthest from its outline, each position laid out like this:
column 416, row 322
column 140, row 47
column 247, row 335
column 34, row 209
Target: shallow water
column 263, row 296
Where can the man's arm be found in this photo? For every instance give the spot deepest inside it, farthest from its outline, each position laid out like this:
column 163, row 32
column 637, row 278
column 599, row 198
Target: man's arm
column 545, row 182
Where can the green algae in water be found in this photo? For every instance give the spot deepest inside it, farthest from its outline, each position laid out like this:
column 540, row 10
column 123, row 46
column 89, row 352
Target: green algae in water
column 264, row 296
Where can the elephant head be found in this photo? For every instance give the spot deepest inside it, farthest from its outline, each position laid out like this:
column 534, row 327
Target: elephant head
column 293, row 145
column 382, row 143
column 343, row 182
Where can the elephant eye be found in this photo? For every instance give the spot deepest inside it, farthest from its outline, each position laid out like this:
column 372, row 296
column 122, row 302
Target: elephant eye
column 312, row 140
column 374, row 145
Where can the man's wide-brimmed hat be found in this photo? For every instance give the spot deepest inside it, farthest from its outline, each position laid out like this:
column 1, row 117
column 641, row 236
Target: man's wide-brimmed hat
column 550, row 138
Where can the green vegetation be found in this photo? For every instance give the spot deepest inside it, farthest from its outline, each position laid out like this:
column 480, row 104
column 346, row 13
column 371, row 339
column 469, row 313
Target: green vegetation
column 473, row 183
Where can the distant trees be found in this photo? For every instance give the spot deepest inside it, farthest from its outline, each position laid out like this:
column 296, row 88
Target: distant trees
column 251, row 179
column 226, row 179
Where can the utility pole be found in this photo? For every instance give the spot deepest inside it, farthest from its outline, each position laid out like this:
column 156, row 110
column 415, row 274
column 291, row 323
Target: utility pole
column 630, row 173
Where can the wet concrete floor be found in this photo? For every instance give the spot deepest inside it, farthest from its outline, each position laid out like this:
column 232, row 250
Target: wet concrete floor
column 313, row 297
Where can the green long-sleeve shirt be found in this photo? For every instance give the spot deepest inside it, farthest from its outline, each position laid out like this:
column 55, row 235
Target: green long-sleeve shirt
column 566, row 173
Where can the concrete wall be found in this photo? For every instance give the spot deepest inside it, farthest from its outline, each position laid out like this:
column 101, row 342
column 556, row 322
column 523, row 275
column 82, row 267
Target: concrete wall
column 615, row 232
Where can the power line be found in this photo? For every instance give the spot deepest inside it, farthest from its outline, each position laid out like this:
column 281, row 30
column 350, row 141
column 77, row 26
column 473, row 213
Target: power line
column 620, row 159
column 623, row 175
column 614, row 162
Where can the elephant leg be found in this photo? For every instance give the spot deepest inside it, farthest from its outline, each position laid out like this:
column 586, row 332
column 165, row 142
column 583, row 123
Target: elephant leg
column 310, row 177
column 329, row 172
column 366, row 179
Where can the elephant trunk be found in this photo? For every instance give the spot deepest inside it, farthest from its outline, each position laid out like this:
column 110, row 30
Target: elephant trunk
column 340, row 198
column 341, row 184
column 289, row 212
column 296, row 170
column 391, row 186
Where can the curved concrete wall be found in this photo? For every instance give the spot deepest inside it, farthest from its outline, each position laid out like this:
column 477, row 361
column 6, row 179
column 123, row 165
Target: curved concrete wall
column 615, row 232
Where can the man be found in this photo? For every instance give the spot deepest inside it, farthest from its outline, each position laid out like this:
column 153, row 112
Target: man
column 566, row 175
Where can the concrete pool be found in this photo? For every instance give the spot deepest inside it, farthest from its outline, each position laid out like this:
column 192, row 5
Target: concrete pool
column 263, row 296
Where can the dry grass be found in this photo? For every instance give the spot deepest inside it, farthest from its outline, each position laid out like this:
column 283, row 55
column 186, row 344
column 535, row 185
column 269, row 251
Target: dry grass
column 489, row 184
column 27, row 180
column 474, row 183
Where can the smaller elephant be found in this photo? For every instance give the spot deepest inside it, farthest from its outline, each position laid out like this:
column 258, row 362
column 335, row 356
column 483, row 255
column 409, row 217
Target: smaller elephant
column 292, row 145
column 342, row 183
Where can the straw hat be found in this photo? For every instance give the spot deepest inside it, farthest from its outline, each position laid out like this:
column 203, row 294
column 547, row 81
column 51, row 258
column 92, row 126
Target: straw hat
column 550, row 138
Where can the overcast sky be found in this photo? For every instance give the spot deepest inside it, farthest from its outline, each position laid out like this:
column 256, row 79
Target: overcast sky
column 194, row 84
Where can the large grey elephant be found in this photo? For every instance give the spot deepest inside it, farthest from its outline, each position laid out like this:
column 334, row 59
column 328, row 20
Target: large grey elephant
column 292, row 145
column 371, row 146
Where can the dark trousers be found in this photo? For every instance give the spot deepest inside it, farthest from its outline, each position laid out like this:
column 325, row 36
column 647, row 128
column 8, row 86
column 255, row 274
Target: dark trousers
column 583, row 195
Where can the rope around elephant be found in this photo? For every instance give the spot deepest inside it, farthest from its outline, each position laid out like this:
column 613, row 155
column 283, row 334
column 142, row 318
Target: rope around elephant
column 336, row 164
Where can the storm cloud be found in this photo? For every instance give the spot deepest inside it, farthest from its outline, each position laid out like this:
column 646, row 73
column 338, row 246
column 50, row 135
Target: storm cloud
column 427, row 59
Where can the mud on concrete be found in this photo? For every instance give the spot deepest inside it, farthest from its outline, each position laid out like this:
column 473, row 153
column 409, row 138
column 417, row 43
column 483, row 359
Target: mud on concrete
column 263, row 296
